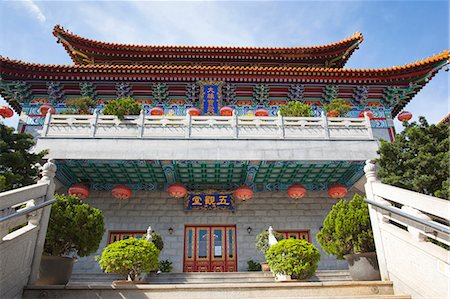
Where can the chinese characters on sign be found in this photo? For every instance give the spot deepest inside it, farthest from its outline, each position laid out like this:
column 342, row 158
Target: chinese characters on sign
column 210, row 97
column 214, row 200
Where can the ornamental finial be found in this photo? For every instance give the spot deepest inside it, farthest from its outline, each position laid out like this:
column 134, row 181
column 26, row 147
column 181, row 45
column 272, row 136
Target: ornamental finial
column 49, row 170
column 148, row 236
column 371, row 171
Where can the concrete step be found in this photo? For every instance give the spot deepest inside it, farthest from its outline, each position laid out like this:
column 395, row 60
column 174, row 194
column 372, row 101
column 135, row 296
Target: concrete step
column 310, row 290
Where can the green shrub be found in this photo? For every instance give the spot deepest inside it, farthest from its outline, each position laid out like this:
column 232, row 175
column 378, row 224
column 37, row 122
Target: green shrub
column 157, row 240
column 347, row 229
column 296, row 109
column 297, row 258
column 122, row 107
column 262, row 240
column 253, row 266
column 338, row 105
column 130, row 257
column 165, row 266
column 81, row 105
column 74, row 227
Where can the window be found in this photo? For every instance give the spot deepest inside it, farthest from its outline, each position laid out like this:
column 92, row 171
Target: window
column 295, row 234
column 123, row 235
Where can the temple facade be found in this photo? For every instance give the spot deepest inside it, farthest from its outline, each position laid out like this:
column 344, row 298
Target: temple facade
column 209, row 161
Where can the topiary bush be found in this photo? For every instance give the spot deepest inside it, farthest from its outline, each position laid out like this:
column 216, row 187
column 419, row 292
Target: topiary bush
column 347, row 229
column 130, row 257
column 296, row 109
column 74, row 228
column 157, row 240
column 262, row 240
column 339, row 106
column 122, row 107
column 297, row 258
column 81, row 105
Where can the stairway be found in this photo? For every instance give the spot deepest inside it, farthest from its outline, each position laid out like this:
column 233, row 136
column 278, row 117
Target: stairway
column 324, row 285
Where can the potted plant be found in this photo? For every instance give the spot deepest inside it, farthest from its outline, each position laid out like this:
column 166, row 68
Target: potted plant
column 293, row 258
column 347, row 233
column 253, row 266
column 121, row 107
column 131, row 257
column 296, row 109
column 81, row 105
column 262, row 244
column 337, row 108
column 165, row 266
column 74, row 229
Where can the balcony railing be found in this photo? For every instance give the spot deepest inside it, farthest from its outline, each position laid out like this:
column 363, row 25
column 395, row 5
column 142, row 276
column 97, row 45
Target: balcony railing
column 206, row 127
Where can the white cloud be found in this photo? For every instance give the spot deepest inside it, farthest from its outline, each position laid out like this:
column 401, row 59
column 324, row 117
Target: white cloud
column 34, row 9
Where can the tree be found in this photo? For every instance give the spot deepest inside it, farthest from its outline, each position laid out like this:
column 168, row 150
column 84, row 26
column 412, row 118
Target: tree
column 418, row 159
column 17, row 163
column 296, row 109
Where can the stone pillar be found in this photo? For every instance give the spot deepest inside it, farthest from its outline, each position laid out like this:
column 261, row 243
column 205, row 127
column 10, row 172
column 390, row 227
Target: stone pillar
column 48, row 175
column 376, row 216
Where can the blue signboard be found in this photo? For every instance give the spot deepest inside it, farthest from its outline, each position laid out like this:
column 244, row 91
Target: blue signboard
column 210, row 97
column 207, row 201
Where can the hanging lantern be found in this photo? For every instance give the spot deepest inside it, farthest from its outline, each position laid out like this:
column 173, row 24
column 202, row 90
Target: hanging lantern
column 6, row 112
column 193, row 111
column 226, row 111
column 261, row 112
column 177, row 190
column 333, row 113
column 404, row 116
column 337, row 191
column 243, row 193
column 368, row 112
column 157, row 111
column 296, row 191
column 45, row 108
column 121, row 192
column 79, row 190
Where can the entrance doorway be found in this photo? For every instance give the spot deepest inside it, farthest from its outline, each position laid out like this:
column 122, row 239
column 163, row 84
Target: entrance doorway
column 210, row 248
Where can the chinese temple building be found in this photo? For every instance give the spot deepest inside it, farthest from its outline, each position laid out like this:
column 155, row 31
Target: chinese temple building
column 209, row 163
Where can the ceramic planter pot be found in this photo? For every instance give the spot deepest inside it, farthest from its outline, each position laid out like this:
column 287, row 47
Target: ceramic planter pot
column 282, row 277
column 363, row 266
column 55, row 270
column 265, row 267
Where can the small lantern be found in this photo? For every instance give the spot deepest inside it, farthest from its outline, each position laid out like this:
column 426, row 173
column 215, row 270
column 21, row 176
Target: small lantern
column 368, row 112
column 157, row 111
column 333, row 113
column 243, row 193
column 193, row 111
column 177, row 190
column 337, row 191
column 261, row 112
column 45, row 108
column 6, row 112
column 296, row 191
column 226, row 111
column 404, row 116
column 79, row 190
column 121, row 192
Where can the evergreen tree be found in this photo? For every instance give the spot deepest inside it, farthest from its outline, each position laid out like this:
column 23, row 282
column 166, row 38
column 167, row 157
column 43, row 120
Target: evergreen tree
column 418, row 159
column 17, row 163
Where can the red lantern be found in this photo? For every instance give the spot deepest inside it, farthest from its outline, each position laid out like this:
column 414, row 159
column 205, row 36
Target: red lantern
column 404, row 116
column 261, row 112
column 157, row 111
column 177, row 190
column 296, row 191
column 226, row 111
column 6, row 112
column 45, row 108
column 243, row 193
column 337, row 191
column 121, row 192
column 193, row 111
column 79, row 190
column 368, row 112
column 333, row 113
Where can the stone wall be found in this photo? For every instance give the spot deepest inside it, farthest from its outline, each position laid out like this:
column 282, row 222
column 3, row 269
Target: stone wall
column 161, row 212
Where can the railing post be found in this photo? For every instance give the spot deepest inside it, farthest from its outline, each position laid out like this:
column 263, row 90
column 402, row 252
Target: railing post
column 48, row 175
column 234, row 124
column 280, row 122
column 188, row 123
column 368, row 125
column 94, row 123
column 376, row 217
column 416, row 233
column 325, row 126
column 141, row 124
column 48, row 117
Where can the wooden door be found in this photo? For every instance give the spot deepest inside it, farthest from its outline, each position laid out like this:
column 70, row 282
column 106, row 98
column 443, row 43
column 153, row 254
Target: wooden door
column 210, row 248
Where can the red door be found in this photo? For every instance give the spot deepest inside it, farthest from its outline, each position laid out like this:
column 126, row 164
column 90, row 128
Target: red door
column 210, row 248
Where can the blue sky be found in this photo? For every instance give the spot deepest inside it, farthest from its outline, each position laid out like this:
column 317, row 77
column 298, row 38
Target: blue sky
column 395, row 32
